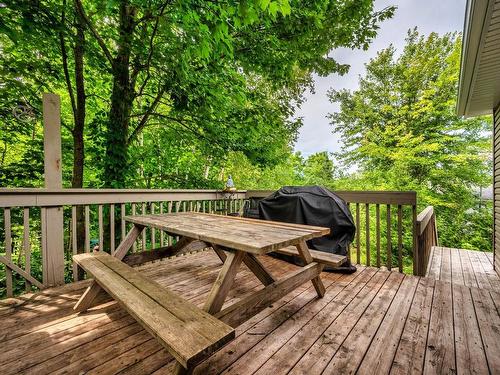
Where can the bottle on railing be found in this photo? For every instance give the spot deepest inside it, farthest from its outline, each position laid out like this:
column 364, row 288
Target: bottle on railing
column 229, row 185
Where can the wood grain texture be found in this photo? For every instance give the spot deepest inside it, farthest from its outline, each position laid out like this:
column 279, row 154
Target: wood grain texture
column 181, row 246
column 463, row 267
column 88, row 297
column 241, row 311
column 253, row 264
column 333, row 260
column 224, row 281
column 306, row 256
column 188, row 333
column 257, row 237
column 43, row 335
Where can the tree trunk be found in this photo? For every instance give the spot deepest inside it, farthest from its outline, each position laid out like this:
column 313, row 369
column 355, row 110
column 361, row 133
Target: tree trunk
column 116, row 159
column 78, row 146
column 115, row 163
column 78, row 129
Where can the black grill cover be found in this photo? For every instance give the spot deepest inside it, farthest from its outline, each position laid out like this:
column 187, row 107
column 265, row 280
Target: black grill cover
column 312, row 205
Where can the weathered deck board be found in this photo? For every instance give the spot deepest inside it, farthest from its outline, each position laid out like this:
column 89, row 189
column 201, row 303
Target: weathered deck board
column 465, row 267
column 372, row 321
column 409, row 357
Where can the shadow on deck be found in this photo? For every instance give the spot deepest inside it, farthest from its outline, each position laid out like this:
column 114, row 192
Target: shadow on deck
column 371, row 322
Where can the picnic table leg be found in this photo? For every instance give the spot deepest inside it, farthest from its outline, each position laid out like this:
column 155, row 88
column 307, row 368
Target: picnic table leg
column 94, row 289
column 306, row 256
column 252, row 263
column 220, row 253
column 179, row 370
column 224, row 281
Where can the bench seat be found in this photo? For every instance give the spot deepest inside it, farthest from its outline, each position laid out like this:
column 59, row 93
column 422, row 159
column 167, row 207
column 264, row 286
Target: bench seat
column 187, row 332
column 329, row 259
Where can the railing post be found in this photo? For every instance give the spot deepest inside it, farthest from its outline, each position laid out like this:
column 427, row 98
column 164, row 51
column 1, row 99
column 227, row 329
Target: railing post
column 416, row 258
column 52, row 217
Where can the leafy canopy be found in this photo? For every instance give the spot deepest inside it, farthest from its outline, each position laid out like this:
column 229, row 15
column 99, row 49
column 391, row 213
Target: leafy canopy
column 401, row 130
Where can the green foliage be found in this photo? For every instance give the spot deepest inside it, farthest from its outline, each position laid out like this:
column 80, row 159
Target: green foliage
column 294, row 169
column 401, row 130
column 225, row 76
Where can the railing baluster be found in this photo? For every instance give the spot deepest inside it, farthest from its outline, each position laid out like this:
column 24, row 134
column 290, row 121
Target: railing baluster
column 87, row 229
column 134, row 246
column 162, row 233
column 400, row 238
column 8, row 251
column 122, row 221
column 170, row 208
column 415, row 253
column 425, row 231
column 389, row 238
column 112, row 227
column 367, row 234
column 349, row 245
column 377, row 230
column 153, row 230
column 101, row 229
column 358, row 240
column 73, row 242
column 27, row 245
column 143, row 235
column 217, row 204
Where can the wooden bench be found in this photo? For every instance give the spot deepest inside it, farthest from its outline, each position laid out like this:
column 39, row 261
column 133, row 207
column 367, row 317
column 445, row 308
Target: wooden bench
column 187, row 332
column 333, row 260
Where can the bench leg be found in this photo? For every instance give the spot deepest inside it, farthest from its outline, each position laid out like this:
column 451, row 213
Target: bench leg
column 224, row 281
column 306, row 256
column 94, row 289
column 88, row 297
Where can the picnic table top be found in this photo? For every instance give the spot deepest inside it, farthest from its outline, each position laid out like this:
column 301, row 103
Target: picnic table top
column 250, row 235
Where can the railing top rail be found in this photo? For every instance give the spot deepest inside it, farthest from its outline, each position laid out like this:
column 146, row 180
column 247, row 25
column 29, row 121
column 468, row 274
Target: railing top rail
column 104, row 191
column 360, row 196
column 62, row 197
column 423, row 218
column 40, row 197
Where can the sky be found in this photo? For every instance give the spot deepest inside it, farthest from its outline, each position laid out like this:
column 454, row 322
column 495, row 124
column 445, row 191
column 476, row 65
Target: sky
column 440, row 16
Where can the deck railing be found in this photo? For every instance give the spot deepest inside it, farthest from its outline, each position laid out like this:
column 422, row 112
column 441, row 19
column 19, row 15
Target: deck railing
column 41, row 229
column 386, row 227
column 427, row 237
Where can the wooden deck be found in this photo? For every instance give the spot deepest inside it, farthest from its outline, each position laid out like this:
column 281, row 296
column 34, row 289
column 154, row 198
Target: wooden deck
column 463, row 267
column 370, row 322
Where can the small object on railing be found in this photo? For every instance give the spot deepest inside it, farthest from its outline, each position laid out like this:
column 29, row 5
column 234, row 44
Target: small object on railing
column 94, row 244
column 229, row 185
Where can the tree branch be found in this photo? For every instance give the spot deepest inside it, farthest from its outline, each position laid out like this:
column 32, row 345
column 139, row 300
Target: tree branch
column 150, row 52
column 148, row 113
column 182, row 122
column 94, row 32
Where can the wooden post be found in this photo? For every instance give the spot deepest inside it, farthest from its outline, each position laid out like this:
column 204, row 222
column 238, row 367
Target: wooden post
column 415, row 247
column 52, row 230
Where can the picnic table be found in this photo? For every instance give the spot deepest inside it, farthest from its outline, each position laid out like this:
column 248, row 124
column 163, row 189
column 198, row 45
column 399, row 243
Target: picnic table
column 235, row 240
